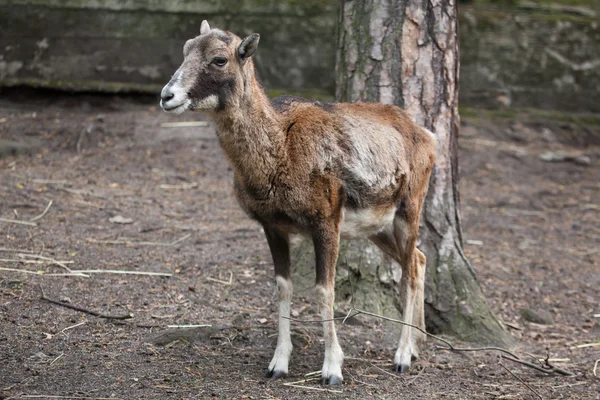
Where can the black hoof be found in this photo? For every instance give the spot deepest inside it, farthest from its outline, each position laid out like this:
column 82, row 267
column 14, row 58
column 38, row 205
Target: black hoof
column 331, row 381
column 335, row 380
column 402, row 368
column 275, row 374
column 414, row 358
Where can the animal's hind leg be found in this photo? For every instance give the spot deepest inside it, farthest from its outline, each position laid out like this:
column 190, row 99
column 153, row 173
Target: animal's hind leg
column 419, row 337
column 399, row 241
column 326, row 242
column 406, row 241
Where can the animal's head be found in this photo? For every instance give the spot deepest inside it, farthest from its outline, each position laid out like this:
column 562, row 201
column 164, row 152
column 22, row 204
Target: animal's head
column 212, row 73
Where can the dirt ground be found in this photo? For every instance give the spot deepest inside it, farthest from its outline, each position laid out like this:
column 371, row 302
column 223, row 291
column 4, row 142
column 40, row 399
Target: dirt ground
column 130, row 195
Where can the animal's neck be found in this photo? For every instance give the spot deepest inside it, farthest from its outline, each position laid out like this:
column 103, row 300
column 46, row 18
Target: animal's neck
column 250, row 134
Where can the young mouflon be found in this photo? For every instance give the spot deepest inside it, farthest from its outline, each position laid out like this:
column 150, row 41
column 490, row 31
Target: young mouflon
column 318, row 169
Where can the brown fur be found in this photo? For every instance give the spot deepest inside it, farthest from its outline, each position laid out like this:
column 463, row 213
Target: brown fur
column 303, row 167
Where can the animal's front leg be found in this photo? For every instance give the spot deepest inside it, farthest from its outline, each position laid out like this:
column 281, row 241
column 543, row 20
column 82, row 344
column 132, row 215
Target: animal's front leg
column 326, row 241
column 279, row 245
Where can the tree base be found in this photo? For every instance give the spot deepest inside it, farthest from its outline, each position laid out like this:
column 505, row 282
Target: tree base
column 368, row 280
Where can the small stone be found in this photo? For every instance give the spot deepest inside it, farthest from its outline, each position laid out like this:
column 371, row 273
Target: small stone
column 548, row 135
column 119, row 219
column 64, row 299
column 536, row 316
column 262, row 320
column 560, row 156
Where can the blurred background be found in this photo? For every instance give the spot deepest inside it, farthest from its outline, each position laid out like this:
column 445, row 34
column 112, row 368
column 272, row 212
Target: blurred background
column 541, row 54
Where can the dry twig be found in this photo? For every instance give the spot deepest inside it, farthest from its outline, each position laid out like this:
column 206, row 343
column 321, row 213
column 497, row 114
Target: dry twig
column 32, row 261
column 48, row 396
column 41, row 272
column 57, row 358
column 188, row 326
column 228, row 282
column 581, row 346
column 18, row 222
column 520, row 380
column 450, row 345
column 314, row 388
column 183, row 124
column 7, row 250
column 415, row 378
column 50, row 260
column 83, row 310
column 43, row 212
column 546, row 368
column 130, row 243
column 112, row 271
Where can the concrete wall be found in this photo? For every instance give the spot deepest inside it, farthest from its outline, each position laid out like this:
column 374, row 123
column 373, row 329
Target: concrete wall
column 117, row 45
column 538, row 58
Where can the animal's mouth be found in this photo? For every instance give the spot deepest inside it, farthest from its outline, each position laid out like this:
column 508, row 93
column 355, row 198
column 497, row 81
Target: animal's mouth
column 177, row 108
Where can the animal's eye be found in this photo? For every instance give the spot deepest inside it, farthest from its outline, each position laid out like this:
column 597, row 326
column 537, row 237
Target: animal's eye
column 220, row 61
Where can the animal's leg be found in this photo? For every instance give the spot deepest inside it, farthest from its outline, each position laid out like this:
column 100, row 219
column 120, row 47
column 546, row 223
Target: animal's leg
column 326, row 241
column 419, row 337
column 279, row 245
column 399, row 241
column 405, row 233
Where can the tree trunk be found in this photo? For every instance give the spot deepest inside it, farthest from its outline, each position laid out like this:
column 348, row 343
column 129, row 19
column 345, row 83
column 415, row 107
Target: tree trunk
column 405, row 52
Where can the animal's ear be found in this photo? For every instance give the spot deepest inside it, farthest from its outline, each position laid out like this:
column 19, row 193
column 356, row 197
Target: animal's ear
column 248, row 46
column 204, row 27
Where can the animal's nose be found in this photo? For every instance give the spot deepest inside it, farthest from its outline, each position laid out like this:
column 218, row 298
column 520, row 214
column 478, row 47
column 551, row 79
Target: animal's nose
column 166, row 95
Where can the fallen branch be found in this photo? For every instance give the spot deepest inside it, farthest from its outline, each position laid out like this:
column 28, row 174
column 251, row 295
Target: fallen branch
column 18, row 222
column 314, row 388
column 189, row 326
column 546, row 368
column 183, row 186
column 50, row 260
column 111, row 271
column 73, row 326
column 520, row 380
column 57, row 358
column 41, row 272
column 130, row 243
column 416, row 377
column 581, row 346
column 372, row 365
column 80, row 309
column 183, row 124
column 59, row 182
column 45, row 262
column 48, row 396
column 229, row 282
column 450, row 345
column 6, row 249
column 43, row 212
column 302, row 381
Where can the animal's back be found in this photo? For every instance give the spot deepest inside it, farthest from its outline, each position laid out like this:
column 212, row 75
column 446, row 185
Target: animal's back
column 373, row 147
column 370, row 147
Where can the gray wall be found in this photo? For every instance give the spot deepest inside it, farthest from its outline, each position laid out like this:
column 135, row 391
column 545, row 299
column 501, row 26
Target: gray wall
column 536, row 59
column 509, row 56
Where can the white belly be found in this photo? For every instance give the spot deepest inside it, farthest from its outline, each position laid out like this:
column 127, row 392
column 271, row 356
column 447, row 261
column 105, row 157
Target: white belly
column 365, row 222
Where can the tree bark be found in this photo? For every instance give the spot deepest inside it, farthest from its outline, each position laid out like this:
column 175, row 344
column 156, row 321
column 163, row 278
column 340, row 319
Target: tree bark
column 405, row 52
